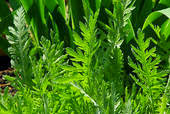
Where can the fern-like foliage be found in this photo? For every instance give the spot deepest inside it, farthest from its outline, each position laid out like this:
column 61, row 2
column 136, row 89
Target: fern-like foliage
column 163, row 46
column 85, row 67
column 19, row 50
column 164, row 106
column 48, row 67
column 119, row 17
column 163, row 50
column 111, row 53
column 146, row 72
column 87, row 46
column 46, row 93
column 82, row 59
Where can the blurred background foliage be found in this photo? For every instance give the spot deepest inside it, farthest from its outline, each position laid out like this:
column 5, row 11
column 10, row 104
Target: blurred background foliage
column 64, row 16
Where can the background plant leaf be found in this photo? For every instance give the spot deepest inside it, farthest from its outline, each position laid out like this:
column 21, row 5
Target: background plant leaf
column 165, row 2
column 155, row 15
column 165, row 28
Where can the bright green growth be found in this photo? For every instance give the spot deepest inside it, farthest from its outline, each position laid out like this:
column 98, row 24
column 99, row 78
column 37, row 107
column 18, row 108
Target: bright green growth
column 147, row 75
column 163, row 42
column 86, row 48
column 19, row 50
column 90, row 78
column 88, row 68
column 117, row 32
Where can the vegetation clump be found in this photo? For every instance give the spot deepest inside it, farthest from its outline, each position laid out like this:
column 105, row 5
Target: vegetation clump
column 93, row 60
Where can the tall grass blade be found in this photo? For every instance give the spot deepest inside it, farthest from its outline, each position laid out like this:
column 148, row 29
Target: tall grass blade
column 155, row 15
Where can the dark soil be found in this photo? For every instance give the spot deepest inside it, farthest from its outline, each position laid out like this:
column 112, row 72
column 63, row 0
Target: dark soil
column 5, row 69
column 4, row 63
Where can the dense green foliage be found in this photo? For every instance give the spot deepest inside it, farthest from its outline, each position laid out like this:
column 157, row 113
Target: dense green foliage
column 88, row 61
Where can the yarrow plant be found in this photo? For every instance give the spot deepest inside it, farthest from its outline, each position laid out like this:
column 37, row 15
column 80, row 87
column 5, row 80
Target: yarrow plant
column 65, row 63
